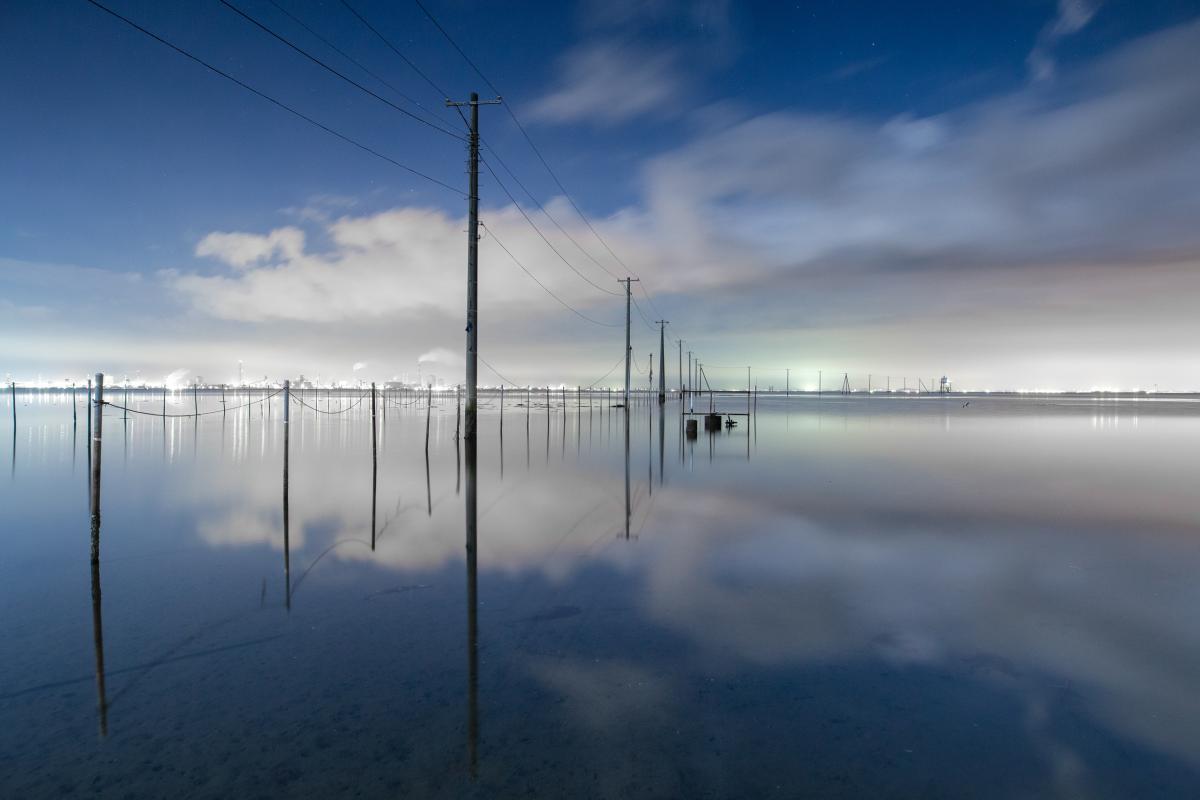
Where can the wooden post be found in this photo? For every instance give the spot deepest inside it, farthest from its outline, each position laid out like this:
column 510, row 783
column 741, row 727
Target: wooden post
column 502, row 409
column 74, row 403
column 428, row 411
column 12, row 388
column 196, row 398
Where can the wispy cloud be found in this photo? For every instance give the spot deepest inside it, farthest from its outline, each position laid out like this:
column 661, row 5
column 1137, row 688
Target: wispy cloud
column 1073, row 16
column 634, row 60
column 608, row 83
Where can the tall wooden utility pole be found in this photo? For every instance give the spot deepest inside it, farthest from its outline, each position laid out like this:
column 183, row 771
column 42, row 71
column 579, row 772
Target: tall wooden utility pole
column 628, row 349
column 472, row 259
column 662, row 361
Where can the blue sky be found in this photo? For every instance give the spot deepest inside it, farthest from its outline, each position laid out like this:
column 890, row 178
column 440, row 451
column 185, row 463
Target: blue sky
column 814, row 185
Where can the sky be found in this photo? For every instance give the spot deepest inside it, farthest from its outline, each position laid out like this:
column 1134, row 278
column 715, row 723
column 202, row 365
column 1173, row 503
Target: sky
column 1004, row 193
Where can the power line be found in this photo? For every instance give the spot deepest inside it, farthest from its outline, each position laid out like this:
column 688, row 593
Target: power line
column 272, row 100
column 642, row 314
column 348, row 57
column 493, row 369
column 441, row 92
column 546, row 288
column 549, row 216
column 549, row 244
column 341, row 75
column 605, row 375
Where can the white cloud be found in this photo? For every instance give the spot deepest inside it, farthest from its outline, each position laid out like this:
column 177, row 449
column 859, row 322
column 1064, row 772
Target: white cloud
column 245, row 249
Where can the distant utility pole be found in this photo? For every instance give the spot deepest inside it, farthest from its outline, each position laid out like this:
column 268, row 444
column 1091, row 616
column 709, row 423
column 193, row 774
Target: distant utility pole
column 472, row 259
column 628, row 349
column 680, row 368
column 662, row 361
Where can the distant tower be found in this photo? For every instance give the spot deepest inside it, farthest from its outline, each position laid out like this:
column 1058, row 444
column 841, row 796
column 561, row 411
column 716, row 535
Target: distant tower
column 944, row 385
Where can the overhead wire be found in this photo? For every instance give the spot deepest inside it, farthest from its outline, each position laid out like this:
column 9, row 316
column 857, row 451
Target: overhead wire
column 497, row 372
column 266, row 29
column 545, row 288
column 441, row 92
column 605, row 375
column 325, row 40
column 539, row 232
column 272, row 100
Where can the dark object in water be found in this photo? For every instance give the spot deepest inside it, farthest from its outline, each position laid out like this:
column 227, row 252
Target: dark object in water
column 730, row 422
column 712, row 422
column 692, row 426
column 966, row 404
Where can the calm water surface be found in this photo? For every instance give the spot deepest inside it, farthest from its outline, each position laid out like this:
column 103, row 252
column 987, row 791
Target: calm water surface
column 851, row 597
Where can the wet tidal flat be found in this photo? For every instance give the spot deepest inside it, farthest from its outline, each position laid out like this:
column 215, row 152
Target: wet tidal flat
column 838, row 597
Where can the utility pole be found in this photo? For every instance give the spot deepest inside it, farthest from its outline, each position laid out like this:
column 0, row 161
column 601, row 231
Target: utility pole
column 472, row 258
column 628, row 350
column 662, row 361
column 680, row 368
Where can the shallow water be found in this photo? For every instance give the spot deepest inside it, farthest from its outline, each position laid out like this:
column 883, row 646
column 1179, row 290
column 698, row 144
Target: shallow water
column 884, row 597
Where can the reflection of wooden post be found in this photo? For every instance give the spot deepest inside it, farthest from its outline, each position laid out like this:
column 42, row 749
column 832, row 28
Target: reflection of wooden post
column 97, row 617
column 287, row 554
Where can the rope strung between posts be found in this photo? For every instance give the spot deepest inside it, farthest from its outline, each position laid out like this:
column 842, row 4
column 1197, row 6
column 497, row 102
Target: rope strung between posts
column 193, row 414
column 322, row 411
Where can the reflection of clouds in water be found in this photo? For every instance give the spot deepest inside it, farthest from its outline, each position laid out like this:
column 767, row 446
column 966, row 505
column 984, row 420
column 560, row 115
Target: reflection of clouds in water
column 1071, row 605
column 1018, row 553
column 544, row 520
column 607, row 695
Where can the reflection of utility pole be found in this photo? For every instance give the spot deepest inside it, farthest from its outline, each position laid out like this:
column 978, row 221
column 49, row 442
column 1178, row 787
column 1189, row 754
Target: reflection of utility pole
column 472, row 258
column 472, row 614
column 662, row 361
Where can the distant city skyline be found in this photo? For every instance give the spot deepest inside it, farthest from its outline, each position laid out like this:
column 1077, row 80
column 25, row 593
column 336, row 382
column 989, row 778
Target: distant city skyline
column 1007, row 197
